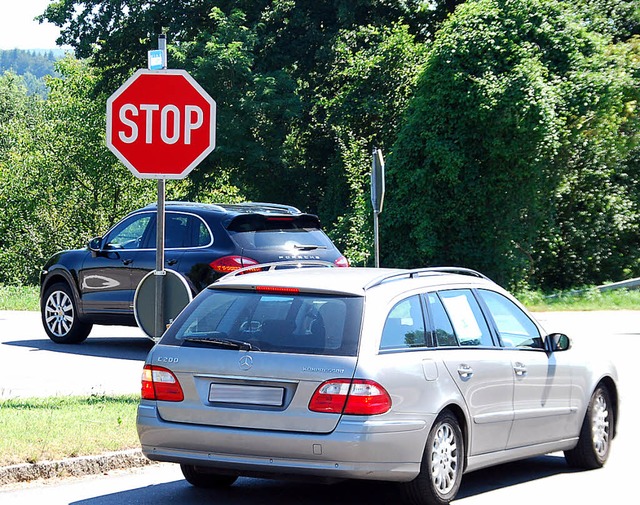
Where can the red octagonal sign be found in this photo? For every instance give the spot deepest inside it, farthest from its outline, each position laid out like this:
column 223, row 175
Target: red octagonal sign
column 161, row 124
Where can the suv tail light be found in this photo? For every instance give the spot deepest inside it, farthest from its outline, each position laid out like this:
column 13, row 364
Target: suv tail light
column 228, row 264
column 357, row 397
column 159, row 383
column 341, row 262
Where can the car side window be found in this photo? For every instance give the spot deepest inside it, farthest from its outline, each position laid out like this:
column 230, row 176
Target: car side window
column 514, row 327
column 404, row 327
column 182, row 231
column 176, row 232
column 466, row 317
column 129, row 233
column 444, row 334
column 201, row 234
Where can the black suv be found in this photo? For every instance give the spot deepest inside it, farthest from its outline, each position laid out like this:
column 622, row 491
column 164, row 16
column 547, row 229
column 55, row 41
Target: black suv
column 97, row 284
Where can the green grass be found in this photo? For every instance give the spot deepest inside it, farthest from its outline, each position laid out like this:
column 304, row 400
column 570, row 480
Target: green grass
column 588, row 299
column 27, row 298
column 47, row 429
column 19, row 298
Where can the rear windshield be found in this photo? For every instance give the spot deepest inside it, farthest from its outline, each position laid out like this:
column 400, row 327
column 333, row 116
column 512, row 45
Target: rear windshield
column 265, row 232
column 305, row 324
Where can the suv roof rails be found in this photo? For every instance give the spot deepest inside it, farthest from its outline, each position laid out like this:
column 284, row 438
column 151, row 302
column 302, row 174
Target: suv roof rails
column 262, row 267
column 237, row 207
column 419, row 272
column 185, row 203
column 261, row 207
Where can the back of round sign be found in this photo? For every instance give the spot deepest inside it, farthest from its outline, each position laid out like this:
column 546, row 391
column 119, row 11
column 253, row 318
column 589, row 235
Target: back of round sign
column 177, row 296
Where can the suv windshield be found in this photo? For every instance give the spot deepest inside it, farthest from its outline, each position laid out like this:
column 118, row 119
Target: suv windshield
column 293, row 323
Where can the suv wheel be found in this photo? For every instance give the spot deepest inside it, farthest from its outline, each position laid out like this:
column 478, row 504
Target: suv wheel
column 60, row 316
column 441, row 469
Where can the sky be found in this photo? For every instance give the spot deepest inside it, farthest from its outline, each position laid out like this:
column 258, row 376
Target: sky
column 18, row 30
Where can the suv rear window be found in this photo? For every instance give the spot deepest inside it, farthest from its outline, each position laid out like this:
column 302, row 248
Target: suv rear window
column 256, row 231
column 298, row 323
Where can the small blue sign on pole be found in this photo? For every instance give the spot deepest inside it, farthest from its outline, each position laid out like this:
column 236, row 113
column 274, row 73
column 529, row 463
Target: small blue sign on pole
column 156, row 60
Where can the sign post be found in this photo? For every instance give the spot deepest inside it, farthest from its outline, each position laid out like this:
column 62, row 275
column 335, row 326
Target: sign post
column 377, row 197
column 160, row 124
column 160, row 60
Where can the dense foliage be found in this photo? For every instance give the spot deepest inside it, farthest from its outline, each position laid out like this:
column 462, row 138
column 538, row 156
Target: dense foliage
column 510, row 128
column 515, row 154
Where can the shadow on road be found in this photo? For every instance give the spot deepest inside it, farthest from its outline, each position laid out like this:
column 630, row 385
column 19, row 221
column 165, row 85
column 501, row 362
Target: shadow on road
column 511, row 474
column 251, row 491
column 130, row 348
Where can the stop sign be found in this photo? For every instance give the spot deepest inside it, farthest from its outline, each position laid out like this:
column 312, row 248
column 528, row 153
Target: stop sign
column 161, row 124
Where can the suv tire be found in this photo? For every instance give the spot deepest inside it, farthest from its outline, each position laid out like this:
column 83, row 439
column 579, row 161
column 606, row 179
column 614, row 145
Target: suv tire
column 60, row 316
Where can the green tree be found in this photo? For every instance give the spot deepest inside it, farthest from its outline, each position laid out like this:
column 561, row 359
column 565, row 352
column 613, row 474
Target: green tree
column 60, row 185
column 263, row 61
column 492, row 142
column 592, row 237
column 361, row 104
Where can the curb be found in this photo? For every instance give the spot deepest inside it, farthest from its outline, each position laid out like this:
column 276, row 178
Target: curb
column 73, row 467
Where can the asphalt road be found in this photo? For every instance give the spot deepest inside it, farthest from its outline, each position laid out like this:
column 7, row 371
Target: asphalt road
column 111, row 360
column 31, row 365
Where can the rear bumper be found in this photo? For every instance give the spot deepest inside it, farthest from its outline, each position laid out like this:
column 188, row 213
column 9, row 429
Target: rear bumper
column 357, row 449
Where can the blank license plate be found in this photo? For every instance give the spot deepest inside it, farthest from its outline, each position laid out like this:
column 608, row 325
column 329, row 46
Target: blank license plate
column 253, row 395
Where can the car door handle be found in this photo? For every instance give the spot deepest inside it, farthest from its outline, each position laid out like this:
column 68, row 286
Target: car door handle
column 127, row 261
column 465, row 371
column 520, row 369
column 171, row 262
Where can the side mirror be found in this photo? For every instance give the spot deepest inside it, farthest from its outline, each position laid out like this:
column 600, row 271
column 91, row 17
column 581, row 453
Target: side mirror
column 95, row 244
column 557, row 342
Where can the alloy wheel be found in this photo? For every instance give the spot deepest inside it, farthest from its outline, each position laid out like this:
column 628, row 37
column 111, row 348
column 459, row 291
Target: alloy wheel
column 444, row 459
column 59, row 313
column 600, row 426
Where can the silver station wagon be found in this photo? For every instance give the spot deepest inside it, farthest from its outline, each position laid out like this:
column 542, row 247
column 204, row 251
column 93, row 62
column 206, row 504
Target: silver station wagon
column 409, row 376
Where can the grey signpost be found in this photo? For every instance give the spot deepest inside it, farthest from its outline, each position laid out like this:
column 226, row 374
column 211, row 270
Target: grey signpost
column 377, row 198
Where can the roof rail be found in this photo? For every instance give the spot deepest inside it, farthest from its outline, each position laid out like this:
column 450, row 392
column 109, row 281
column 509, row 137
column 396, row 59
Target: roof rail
column 419, row 272
column 187, row 203
column 263, row 207
column 263, row 267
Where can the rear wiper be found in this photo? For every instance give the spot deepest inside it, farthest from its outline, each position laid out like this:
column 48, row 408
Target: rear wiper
column 309, row 247
column 226, row 342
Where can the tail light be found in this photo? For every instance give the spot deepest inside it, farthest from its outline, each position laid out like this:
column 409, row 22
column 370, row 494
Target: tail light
column 159, row 383
column 228, row 264
column 357, row 397
column 341, row 262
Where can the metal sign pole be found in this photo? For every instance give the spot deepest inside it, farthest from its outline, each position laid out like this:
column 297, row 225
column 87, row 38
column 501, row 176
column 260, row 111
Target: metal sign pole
column 160, row 228
column 376, row 238
column 160, row 272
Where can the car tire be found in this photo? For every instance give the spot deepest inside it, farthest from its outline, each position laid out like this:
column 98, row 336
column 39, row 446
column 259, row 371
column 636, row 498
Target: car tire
column 60, row 316
column 203, row 477
column 594, row 442
column 441, row 469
